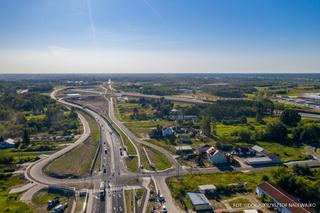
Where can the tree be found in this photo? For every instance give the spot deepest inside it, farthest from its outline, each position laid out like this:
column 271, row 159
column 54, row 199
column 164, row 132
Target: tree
column 206, row 126
column 26, row 138
column 1, row 139
column 290, row 117
column 244, row 135
column 276, row 131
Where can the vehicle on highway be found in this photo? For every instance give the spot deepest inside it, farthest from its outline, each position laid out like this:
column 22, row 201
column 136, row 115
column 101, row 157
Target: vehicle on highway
column 104, row 170
column 105, row 151
column 164, row 209
column 102, row 190
column 59, row 209
column 162, row 199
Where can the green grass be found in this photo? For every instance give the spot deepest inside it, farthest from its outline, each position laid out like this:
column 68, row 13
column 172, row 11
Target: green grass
column 132, row 163
column 10, row 202
column 190, row 183
column 164, row 144
column 286, row 153
column 77, row 162
column 42, row 198
column 160, row 161
column 124, row 110
column 142, row 128
column 145, row 160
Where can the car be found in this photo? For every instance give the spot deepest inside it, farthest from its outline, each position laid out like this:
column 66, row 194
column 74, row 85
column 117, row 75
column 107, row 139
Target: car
column 164, row 209
column 59, row 209
column 104, row 170
column 162, row 199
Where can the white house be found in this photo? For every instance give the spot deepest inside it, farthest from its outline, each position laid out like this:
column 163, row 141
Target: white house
column 167, row 131
column 215, row 156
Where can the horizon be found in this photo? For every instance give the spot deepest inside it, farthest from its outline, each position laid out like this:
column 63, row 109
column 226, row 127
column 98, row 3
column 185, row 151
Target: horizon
column 148, row 36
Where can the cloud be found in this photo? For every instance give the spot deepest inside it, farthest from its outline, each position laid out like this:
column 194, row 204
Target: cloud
column 92, row 26
column 153, row 10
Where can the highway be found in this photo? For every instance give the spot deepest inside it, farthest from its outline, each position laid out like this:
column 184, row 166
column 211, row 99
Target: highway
column 113, row 170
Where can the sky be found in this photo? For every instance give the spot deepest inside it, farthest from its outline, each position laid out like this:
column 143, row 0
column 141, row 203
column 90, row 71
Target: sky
column 159, row 36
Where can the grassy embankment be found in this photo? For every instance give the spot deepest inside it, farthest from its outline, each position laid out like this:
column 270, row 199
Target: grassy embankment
column 129, row 200
column 160, row 161
column 70, row 164
column 10, row 202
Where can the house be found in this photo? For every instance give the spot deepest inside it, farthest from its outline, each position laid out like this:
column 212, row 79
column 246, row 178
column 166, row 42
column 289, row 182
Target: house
column 199, row 201
column 184, row 150
column 207, row 189
column 284, row 202
column 8, row 143
column 259, row 161
column 215, row 156
column 202, row 148
column 184, row 139
column 167, row 131
column 187, row 117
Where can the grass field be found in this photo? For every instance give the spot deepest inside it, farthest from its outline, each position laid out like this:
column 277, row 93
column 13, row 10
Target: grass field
column 190, row 183
column 129, row 200
column 132, row 163
column 158, row 159
column 163, row 144
column 77, row 162
column 142, row 128
column 10, row 202
column 286, row 153
column 145, row 160
column 124, row 110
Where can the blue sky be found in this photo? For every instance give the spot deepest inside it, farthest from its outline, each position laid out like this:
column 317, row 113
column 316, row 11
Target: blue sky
column 160, row 36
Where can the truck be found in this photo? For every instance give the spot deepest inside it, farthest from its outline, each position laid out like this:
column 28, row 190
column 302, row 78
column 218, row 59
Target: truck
column 102, row 190
column 59, row 208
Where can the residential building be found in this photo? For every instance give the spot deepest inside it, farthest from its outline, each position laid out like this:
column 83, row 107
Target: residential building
column 207, row 189
column 184, row 139
column 215, row 156
column 284, row 202
column 259, row 161
column 199, row 201
column 184, row 150
column 202, row 148
column 167, row 131
column 187, row 117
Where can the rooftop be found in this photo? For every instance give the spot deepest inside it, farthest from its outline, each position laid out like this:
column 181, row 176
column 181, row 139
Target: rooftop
column 258, row 160
column 207, row 187
column 198, row 199
column 283, row 197
column 180, row 148
column 257, row 148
